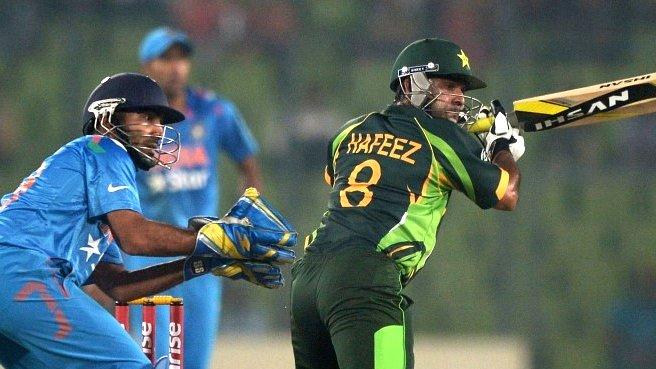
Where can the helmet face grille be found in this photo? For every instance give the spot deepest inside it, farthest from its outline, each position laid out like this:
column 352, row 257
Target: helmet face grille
column 147, row 149
column 154, row 149
column 420, row 95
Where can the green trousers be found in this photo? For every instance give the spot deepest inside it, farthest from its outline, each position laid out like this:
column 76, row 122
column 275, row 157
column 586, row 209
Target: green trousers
column 348, row 312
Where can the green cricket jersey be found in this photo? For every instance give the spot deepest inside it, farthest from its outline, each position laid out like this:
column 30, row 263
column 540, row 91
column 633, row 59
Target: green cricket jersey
column 392, row 174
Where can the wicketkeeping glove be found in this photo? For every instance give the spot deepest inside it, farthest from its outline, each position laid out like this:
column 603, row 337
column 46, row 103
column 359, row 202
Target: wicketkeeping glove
column 254, row 209
column 242, row 241
column 252, row 230
column 261, row 274
column 218, row 243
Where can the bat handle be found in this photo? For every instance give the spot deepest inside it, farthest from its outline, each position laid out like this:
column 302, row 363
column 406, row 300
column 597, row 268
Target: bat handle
column 481, row 125
column 484, row 124
column 497, row 107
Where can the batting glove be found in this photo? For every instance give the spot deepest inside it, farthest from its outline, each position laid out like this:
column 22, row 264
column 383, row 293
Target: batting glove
column 502, row 136
column 517, row 147
column 196, row 223
column 261, row 274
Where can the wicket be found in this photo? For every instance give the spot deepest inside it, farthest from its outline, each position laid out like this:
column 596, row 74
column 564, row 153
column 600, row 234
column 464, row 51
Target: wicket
column 148, row 324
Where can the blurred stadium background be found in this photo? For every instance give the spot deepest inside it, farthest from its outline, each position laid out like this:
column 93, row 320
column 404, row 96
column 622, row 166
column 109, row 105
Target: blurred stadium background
column 544, row 279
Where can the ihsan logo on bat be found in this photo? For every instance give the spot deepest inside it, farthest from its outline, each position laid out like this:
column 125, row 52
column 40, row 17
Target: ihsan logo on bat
column 603, row 103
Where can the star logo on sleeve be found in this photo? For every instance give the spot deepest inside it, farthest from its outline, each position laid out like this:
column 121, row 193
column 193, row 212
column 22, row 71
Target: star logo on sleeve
column 91, row 247
column 465, row 59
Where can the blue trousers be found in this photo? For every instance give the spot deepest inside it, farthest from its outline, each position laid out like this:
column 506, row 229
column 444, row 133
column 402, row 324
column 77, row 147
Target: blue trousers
column 47, row 321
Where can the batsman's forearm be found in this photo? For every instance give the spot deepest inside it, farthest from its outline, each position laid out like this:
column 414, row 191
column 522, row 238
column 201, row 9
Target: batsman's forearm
column 505, row 161
column 130, row 285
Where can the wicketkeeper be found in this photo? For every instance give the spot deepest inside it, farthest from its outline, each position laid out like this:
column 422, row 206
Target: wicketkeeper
column 65, row 223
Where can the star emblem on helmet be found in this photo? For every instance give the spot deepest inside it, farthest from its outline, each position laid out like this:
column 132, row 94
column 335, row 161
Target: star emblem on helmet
column 465, row 59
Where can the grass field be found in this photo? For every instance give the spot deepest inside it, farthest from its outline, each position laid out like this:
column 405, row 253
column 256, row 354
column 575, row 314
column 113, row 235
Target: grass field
column 273, row 351
column 468, row 352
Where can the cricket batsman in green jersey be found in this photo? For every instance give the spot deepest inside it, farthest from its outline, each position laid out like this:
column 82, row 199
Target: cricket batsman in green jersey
column 392, row 174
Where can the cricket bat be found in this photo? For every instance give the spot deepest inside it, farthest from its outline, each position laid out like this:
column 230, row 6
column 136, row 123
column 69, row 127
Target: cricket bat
column 621, row 99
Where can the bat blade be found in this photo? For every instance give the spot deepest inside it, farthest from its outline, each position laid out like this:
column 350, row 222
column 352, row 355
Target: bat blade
column 608, row 101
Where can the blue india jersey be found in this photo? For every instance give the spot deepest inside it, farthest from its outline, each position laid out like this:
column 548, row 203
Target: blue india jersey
column 58, row 210
column 191, row 187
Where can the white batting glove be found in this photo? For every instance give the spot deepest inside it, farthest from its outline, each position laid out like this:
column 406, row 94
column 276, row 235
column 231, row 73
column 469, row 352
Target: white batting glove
column 500, row 130
column 516, row 144
column 517, row 147
column 503, row 135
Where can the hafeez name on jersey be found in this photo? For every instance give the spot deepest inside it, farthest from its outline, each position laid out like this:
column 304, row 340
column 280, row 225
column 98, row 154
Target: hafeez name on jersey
column 388, row 145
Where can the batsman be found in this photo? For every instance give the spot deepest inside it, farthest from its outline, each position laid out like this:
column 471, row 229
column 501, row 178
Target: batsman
column 392, row 174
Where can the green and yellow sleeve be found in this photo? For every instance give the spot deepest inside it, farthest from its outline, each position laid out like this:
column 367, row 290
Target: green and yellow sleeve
column 463, row 169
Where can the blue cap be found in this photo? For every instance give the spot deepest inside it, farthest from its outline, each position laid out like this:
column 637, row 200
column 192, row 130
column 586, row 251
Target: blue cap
column 159, row 40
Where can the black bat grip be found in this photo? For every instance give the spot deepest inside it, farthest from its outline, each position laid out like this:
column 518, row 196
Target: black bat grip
column 497, row 107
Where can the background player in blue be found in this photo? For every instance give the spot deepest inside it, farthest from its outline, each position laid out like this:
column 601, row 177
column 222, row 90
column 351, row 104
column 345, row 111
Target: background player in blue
column 213, row 125
column 64, row 225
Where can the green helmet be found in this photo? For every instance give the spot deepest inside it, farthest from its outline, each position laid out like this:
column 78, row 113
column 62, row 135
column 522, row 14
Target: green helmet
column 434, row 57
